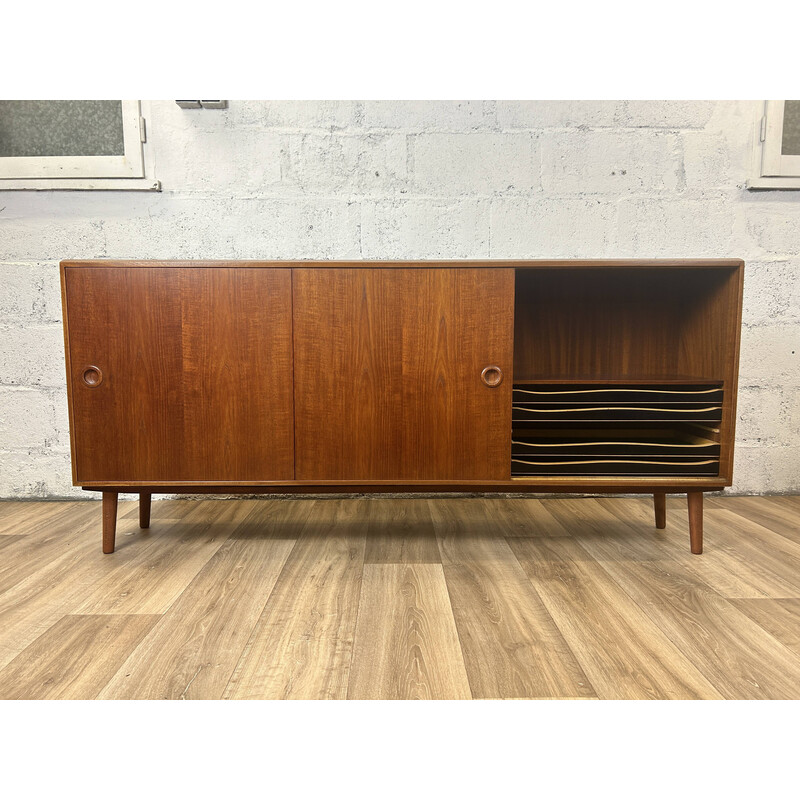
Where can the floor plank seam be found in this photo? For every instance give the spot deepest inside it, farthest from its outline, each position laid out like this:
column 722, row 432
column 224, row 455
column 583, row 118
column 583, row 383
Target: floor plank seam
column 563, row 635
column 678, row 646
column 534, row 614
column 455, row 618
column 355, row 626
column 248, row 644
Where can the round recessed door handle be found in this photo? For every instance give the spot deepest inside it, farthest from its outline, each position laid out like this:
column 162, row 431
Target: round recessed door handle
column 492, row 376
column 92, row 376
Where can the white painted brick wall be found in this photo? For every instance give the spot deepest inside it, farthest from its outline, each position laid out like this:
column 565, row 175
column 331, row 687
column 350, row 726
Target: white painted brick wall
column 414, row 179
column 475, row 163
column 552, row 227
column 425, row 228
column 611, row 162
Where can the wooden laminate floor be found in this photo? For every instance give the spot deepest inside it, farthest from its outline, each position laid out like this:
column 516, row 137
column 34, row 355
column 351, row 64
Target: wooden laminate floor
column 370, row 598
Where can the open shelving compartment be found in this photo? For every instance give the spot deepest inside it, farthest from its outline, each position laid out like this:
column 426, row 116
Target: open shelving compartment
column 624, row 372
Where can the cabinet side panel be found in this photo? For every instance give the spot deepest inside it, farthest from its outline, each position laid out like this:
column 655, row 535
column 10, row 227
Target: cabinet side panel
column 709, row 345
column 127, row 324
column 65, row 322
column 237, row 374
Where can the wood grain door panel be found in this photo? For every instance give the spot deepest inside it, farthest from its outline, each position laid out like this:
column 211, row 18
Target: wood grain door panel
column 388, row 373
column 196, row 371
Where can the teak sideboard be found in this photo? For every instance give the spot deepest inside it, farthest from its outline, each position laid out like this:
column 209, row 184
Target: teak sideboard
column 486, row 376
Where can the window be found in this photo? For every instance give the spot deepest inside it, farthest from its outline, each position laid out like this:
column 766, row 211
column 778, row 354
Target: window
column 776, row 160
column 73, row 144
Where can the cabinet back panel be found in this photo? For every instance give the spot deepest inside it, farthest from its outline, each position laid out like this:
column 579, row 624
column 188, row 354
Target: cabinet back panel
column 620, row 324
column 197, row 373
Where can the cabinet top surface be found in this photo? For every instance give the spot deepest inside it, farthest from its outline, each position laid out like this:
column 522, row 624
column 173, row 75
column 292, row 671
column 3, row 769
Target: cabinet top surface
column 680, row 263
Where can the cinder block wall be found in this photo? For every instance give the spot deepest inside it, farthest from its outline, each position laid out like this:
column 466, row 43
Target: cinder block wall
column 417, row 180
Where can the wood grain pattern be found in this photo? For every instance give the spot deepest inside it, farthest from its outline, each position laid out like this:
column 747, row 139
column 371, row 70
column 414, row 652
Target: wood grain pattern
column 485, row 336
column 198, row 387
column 9, row 539
column 163, row 509
column 554, row 484
column 660, row 509
column 75, row 658
column 710, row 339
column 623, row 653
column 695, row 503
column 237, row 374
column 484, row 263
column 19, row 518
column 706, row 627
column 149, row 578
column 611, row 324
column 601, row 325
column 777, row 558
column 735, row 654
column 778, row 514
column 392, row 389
column 110, row 501
column 41, row 543
column 512, row 647
column 400, row 533
column 522, row 517
column 192, row 652
column 547, row 594
column 406, row 644
column 781, row 618
column 31, row 605
column 131, row 425
column 590, row 524
column 750, row 561
column 301, row 646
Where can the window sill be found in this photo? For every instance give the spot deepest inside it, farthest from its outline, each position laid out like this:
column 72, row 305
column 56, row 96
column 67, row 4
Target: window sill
column 81, row 184
column 773, row 183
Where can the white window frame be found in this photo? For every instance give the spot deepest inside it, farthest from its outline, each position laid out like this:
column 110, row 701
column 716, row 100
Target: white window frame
column 133, row 170
column 771, row 169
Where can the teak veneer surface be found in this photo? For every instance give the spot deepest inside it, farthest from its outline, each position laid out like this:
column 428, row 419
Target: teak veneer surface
column 486, row 263
column 197, row 373
column 387, row 366
column 336, row 376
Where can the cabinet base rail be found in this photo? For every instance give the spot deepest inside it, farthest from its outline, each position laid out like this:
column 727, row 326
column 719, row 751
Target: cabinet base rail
column 694, row 498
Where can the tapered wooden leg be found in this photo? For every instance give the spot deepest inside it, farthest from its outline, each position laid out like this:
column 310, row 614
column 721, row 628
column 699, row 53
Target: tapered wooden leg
column 696, row 521
column 109, row 521
column 144, row 509
column 660, row 506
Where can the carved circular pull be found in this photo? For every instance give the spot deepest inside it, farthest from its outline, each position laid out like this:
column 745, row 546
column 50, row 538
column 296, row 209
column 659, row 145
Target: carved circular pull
column 492, row 376
column 92, row 376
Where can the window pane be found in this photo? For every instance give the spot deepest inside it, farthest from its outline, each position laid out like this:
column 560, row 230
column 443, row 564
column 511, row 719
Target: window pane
column 791, row 128
column 61, row 128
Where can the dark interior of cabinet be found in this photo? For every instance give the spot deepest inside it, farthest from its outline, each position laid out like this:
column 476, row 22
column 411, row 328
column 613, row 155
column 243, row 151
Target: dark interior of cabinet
column 621, row 371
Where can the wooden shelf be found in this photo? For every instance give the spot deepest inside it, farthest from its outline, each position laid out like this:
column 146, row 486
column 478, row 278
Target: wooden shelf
column 614, row 429
column 642, row 379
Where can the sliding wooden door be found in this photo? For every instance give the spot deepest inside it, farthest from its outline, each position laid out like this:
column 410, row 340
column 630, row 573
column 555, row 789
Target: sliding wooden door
column 403, row 374
column 180, row 373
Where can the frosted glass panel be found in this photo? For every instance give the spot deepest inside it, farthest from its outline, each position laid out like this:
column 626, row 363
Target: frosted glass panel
column 61, row 128
column 791, row 128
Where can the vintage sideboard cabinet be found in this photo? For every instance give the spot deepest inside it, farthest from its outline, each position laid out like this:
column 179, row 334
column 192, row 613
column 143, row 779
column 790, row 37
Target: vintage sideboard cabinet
column 487, row 376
